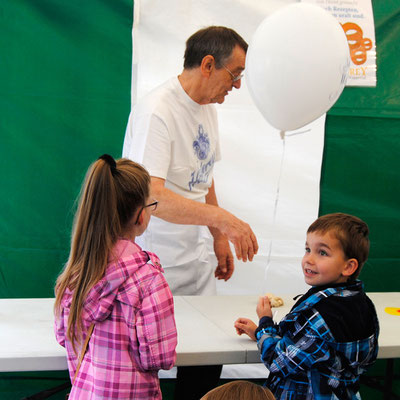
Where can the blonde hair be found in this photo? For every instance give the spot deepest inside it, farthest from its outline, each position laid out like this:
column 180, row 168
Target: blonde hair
column 111, row 193
column 239, row 390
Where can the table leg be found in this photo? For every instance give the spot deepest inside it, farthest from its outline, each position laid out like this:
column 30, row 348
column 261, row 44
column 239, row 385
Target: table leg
column 387, row 394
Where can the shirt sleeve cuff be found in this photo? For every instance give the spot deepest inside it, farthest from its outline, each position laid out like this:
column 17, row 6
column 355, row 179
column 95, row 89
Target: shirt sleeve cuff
column 264, row 322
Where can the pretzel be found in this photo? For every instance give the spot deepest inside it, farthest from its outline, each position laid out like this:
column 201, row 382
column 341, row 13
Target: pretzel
column 275, row 300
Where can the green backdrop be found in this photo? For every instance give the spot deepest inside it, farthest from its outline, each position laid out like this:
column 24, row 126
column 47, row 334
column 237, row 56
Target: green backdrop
column 360, row 172
column 65, row 73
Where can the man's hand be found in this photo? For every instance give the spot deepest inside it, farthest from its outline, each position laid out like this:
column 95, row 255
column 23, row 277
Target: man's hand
column 232, row 228
column 224, row 256
column 247, row 326
column 240, row 234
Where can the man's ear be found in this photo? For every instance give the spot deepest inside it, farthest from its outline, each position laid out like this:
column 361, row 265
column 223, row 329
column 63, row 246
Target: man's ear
column 207, row 65
column 351, row 267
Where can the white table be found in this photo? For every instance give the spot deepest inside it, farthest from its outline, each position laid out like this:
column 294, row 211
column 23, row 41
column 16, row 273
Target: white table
column 205, row 331
column 222, row 311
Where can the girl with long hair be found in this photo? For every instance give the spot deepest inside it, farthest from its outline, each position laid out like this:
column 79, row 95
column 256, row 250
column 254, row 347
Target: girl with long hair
column 111, row 285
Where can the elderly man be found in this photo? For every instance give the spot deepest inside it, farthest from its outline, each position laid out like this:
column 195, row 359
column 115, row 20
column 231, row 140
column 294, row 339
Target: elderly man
column 173, row 132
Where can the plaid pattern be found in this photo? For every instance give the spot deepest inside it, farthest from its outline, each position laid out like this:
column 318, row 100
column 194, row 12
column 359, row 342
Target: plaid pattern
column 134, row 335
column 305, row 361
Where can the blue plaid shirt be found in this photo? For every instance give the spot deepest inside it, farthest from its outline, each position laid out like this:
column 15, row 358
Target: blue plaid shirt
column 305, row 361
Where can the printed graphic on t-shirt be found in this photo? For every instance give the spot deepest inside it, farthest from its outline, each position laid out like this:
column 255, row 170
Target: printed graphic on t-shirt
column 201, row 147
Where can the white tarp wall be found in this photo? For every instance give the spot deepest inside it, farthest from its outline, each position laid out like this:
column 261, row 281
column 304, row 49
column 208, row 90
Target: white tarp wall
column 272, row 184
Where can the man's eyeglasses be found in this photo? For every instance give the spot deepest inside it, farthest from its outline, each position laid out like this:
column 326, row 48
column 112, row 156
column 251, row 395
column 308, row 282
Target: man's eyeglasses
column 235, row 78
column 154, row 208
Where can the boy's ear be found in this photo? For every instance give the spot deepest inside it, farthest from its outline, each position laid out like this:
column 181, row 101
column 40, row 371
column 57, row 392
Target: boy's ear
column 351, row 267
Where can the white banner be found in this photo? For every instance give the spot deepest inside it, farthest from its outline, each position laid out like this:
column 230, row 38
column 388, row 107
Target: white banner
column 357, row 20
column 271, row 184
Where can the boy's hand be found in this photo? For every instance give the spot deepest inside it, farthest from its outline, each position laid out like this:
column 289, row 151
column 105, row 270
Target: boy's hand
column 264, row 307
column 247, row 326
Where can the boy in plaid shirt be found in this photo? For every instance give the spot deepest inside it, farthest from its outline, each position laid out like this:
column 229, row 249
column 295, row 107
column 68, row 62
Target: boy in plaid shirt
column 330, row 337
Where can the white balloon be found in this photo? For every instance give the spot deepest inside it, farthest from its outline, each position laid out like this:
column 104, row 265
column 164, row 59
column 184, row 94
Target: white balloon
column 296, row 65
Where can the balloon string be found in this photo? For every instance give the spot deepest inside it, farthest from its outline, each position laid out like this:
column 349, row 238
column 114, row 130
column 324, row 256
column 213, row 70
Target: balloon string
column 296, row 133
column 283, row 135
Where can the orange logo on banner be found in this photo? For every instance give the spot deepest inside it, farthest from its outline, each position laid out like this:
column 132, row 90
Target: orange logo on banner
column 357, row 44
column 392, row 310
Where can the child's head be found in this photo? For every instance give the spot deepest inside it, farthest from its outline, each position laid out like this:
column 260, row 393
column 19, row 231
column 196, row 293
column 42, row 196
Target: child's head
column 238, row 390
column 336, row 249
column 111, row 194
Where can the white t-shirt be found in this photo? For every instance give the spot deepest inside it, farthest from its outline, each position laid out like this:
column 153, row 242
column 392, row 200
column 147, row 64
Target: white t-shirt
column 176, row 139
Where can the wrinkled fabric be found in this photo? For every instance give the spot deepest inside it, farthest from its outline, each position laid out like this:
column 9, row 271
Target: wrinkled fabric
column 134, row 334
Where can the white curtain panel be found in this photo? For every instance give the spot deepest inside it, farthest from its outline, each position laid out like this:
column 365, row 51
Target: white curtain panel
column 269, row 182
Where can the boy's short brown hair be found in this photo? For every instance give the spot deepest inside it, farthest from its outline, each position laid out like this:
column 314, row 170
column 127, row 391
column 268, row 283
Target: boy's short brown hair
column 351, row 232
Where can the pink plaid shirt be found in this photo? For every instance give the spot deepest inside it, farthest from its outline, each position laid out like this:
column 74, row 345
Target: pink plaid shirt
column 134, row 334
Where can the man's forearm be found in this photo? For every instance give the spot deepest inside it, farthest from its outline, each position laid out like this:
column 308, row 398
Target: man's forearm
column 177, row 209
column 211, row 198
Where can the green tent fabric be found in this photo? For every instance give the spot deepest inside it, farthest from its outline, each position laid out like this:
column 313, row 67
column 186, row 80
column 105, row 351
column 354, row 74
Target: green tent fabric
column 360, row 172
column 65, row 74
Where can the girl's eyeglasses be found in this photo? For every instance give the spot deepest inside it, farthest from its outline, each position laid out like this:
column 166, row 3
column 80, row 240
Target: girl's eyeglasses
column 154, row 208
